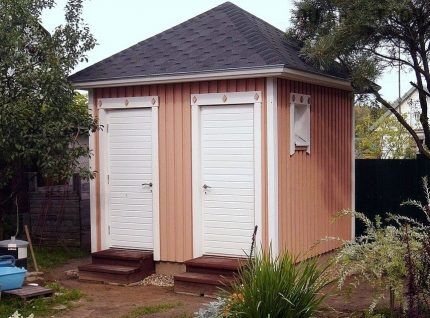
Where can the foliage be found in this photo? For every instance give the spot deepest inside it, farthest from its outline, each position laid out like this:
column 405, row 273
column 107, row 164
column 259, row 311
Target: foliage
column 366, row 38
column 377, row 258
column 148, row 310
column 41, row 117
column 41, row 307
column 388, row 140
column 395, row 256
column 214, row 309
column 16, row 314
column 50, row 257
column 418, row 261
column 278, row 286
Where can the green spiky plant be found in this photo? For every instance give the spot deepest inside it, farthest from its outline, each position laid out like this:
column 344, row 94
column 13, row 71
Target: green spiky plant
column 278, row 286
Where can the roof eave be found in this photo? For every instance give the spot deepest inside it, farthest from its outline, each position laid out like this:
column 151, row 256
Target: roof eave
column 269, row 71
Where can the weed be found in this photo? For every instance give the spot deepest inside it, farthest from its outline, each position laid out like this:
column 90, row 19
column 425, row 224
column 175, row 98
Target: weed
column 50, row 257
column 41, row 307
column 147, row 310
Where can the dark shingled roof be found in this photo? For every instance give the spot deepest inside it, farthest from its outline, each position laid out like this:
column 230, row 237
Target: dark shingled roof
column 223, row 38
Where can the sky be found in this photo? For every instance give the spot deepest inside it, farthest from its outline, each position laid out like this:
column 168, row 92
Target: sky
column 118, row 24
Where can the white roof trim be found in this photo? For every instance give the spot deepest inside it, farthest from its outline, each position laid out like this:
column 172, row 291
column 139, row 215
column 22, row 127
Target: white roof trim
column 396, row 104
column 277, row 71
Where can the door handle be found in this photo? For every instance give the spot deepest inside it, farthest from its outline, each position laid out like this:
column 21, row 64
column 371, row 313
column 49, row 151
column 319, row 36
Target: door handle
column 205, row 186
column 149, row 184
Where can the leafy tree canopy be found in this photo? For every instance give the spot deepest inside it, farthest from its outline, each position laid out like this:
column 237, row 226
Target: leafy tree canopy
column 41, row 117
column 386, row 140
column 368, row 37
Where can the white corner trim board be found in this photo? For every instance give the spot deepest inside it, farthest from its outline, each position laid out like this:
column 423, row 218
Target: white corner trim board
column 272, row 163
column 353, row 169
column 156, row 187
column 93, row 206
column 254, row 100
column 127, row 102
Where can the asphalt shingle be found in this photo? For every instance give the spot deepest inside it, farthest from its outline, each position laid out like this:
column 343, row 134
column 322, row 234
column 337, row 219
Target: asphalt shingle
column 225, row 37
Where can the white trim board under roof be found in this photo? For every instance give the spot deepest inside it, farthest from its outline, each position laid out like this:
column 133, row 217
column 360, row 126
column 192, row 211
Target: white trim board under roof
column 277, row 71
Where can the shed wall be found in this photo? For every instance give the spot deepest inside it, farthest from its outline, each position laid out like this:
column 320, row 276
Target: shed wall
column 175, row 157
column 313, row 187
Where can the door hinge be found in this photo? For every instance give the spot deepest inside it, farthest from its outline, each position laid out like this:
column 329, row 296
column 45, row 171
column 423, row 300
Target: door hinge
column 109, row 229
column 108, row 179
column 107, row 128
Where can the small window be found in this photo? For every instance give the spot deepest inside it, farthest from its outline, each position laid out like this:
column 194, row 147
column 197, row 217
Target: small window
column 417, row 115
column 300, row 123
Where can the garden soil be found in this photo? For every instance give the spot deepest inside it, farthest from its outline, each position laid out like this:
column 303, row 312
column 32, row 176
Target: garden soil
column 111, row 301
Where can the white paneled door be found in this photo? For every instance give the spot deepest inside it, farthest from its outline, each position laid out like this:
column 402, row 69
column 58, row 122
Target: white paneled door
column 228, row 178
column 130, row 193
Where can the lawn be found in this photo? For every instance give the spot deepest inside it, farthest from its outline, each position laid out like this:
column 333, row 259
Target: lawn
column 42, row 307
column 50, row 257
column 64, row 298
column 148, row 310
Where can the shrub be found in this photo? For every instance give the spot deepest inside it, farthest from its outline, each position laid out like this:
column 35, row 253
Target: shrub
column 376, row 257
column 214, row 309
column 279, row 286
column 16, row 314
column 395, row 257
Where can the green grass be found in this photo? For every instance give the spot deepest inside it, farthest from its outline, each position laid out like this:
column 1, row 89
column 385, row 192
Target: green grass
column 184, row 315
column 50, row 257
column 41, row 307
column 147, row 310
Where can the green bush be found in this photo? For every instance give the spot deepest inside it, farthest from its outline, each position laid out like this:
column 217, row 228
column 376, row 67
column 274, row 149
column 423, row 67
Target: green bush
column 278, row 287
column 393, row 257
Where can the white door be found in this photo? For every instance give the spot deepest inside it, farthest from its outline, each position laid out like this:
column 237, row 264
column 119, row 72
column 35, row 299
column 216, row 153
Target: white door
column 130, row 198
column 228, row 178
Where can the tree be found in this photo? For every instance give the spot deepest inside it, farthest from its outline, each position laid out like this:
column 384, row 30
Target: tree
column 366, row 38
column 388, row 140
column 41, row 117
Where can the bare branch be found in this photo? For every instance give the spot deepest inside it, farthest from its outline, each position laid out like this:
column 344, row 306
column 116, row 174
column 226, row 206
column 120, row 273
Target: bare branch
column 402, row 121
column 420, row 89
column 391, row 58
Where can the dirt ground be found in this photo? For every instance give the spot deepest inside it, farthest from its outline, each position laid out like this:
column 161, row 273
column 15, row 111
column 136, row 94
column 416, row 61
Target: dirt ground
column 112, row 301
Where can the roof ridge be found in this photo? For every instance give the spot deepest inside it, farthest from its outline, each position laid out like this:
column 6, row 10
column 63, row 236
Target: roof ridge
column 263, row 32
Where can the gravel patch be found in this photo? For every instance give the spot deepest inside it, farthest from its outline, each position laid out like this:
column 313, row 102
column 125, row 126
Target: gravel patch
column 158, row 280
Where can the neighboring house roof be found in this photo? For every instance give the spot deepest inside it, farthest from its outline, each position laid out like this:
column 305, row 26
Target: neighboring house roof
column 395, row 104
column 223, row 38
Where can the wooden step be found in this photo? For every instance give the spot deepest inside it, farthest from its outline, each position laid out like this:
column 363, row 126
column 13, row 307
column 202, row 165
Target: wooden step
column 218, row 265
column 117, row 274
column 121, row 257
column 111, row 269
column 118, row 266
column 201, row 284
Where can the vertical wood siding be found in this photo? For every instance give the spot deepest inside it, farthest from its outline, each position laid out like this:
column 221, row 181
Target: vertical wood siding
column 175, row 156
column 313, row 187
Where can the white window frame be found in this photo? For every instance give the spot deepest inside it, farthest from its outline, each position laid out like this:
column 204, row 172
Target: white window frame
column 104, row 105
column 302, row 101
column 217, row 99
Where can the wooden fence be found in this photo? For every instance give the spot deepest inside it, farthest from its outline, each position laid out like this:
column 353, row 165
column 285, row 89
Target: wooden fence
column 382, row 185
column 59, row 215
